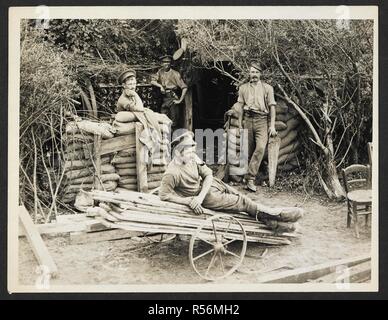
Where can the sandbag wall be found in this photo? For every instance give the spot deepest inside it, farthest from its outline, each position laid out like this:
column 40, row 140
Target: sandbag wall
column 79, row 165
column 287, row 123
column 125, row 161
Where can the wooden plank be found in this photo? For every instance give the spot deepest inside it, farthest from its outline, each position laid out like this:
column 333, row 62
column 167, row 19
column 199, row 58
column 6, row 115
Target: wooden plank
column 55, row 228
column 273, row 154
column 113, row 145
column 153, row 203
column 79, row 222
column 348, row 275
column 97, row 161
column 141, row 166
column 72, row 218
column 99, row 236
column 205, row 234
column 189, row 221
column 117, row 144
column 66, row 224
column 188, row 115
column 36, row 242
column 305, row 274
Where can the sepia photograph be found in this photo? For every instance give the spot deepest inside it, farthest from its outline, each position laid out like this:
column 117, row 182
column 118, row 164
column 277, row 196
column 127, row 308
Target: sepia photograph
column 172, row 149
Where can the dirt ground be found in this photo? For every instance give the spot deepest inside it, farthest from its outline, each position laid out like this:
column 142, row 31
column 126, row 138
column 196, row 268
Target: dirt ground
column 324, row 237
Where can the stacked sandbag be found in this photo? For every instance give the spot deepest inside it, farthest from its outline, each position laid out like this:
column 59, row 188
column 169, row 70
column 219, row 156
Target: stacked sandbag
column 79, row 165
column 287, row 124
column 125, row 161
column 238, row 164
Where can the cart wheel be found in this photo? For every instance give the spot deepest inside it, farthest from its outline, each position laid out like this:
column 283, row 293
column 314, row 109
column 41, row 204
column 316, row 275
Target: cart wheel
column 218, row 246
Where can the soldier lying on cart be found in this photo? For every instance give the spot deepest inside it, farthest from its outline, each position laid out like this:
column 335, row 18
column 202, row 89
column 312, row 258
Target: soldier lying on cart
column 189, row 181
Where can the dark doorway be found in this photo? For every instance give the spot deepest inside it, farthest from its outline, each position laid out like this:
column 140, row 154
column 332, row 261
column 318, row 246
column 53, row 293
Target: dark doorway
column 214, row 94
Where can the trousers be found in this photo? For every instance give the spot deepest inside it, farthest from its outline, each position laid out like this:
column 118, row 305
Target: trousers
column 170, row 109
column 257, row 127
column 221, row 197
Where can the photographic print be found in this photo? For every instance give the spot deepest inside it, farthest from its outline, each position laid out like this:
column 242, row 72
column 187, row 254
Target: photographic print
column 193, row 149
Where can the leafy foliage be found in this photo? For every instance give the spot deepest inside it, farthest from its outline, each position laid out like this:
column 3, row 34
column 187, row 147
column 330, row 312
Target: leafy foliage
column 47, row 88
column 325, row 66
column 133, row 42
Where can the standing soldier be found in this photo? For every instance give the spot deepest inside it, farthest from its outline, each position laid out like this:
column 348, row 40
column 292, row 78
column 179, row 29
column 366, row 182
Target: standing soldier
column 170, row 83
column 256, row 103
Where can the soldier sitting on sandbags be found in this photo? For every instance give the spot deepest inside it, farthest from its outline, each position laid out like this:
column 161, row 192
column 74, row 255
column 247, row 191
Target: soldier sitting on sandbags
column 130, row 103
column 189, row 181
column 129, row 99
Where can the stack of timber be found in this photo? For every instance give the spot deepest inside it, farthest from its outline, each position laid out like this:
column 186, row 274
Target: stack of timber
column 146, row 212
column 135, row 169
column 287, row 124
column 79, row 166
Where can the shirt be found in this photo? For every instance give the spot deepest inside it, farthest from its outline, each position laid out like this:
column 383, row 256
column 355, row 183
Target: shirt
column 184, row 180
column 256, row 97
column 170, row 79
column 131, row 102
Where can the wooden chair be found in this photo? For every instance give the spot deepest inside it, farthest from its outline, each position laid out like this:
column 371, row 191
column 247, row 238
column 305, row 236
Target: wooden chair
column 358, row 193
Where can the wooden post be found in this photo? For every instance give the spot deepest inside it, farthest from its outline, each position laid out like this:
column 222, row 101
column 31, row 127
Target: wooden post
column 188, row 116
column 97, row 160
column 273, row 154
column 141, row 166
column 36, row 243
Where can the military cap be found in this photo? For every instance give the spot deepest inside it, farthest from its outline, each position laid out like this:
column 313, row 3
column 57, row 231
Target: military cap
column 124, row 75
column 256, row 65
column 183, row 140
column 166, row 57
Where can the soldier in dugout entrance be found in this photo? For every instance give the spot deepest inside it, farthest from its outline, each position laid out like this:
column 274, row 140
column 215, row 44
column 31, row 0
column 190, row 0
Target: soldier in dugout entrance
column 256, row 103
column 173, row 89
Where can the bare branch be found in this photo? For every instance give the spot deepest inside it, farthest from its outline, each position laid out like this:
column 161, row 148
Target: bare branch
column 304, row 117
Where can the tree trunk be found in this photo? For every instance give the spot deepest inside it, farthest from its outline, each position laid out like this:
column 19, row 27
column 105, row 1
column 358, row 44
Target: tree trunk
column 329, row 181
column 331, row 176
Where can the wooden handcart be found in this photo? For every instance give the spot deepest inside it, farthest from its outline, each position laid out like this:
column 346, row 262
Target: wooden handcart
column 218, row 240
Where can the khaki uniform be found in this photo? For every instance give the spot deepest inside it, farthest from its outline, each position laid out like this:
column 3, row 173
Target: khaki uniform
column 256, row 100
column 185, row 180
column 171, row 81
column 129, row 102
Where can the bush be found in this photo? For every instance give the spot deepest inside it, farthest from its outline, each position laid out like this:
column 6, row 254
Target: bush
column 47, row 89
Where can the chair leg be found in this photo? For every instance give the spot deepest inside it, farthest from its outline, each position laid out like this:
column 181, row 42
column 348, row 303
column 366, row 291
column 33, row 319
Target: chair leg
column 349, row 218
column 367, row 217
column 355, row 217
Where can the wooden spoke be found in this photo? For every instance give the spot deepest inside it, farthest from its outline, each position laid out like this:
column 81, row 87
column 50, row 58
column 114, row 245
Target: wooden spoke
column 225, row 223
column 232, row 253
column 227, row 230
column 205, row 241
column 222, row 264
column 229, row 242
column 210, row 264
column 214, row 230
column 203, row 254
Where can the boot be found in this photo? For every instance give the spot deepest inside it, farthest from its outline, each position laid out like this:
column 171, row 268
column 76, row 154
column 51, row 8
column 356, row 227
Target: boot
column 251, row 186
column 288, row 214
column 281, row 227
